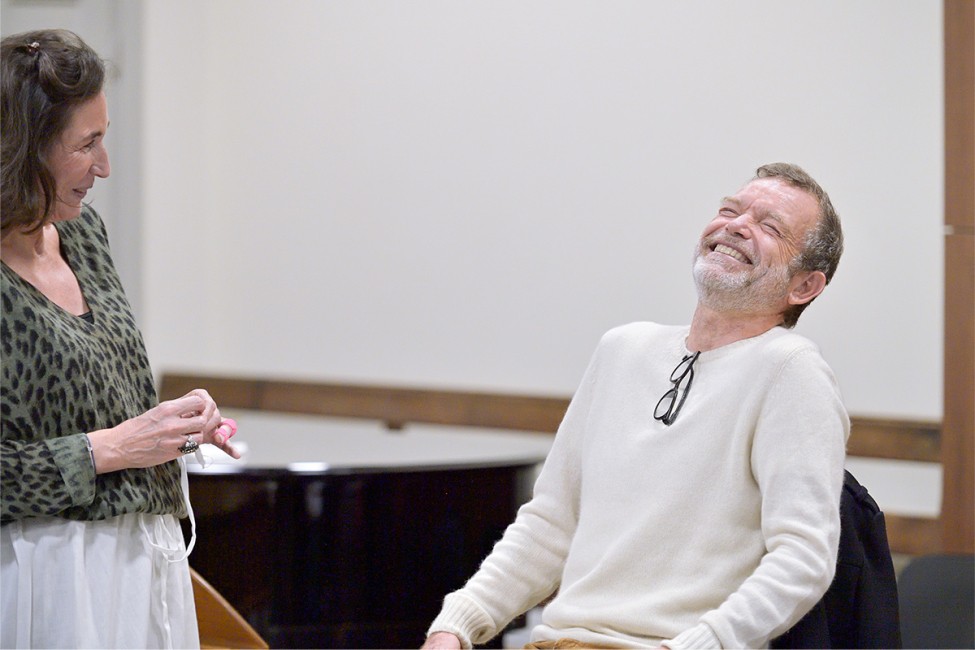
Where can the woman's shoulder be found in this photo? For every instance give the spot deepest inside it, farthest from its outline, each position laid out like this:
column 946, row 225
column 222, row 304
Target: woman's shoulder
column 91, row 220
column 86, row 234
column 87, row 225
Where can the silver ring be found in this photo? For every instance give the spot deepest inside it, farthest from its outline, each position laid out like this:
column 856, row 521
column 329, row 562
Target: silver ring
column 189, row 446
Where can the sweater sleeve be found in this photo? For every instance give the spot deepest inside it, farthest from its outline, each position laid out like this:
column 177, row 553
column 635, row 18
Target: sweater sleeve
column 526, row 565
column 45, row 477
column 797, row 460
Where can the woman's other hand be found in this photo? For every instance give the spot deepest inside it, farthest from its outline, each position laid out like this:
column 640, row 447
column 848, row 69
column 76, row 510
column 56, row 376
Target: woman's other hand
column 220, row 437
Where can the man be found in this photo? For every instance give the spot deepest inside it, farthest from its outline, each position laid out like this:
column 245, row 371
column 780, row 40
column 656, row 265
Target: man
column 691, row 496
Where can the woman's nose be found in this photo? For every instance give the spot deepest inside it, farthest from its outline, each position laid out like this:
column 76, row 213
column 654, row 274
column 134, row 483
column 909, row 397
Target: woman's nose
column 102, row 167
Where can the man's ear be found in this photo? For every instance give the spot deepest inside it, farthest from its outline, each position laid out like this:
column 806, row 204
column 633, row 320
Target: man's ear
column 806, row 285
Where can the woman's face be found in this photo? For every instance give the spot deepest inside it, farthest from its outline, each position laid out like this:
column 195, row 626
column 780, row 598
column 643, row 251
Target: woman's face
column 79, row 155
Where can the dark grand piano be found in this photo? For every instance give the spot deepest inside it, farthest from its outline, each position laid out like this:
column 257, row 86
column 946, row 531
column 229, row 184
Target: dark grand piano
column 338, row 533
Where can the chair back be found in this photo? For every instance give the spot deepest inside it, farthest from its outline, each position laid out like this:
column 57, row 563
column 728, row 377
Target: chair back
column 221, row 626
column 937, row 597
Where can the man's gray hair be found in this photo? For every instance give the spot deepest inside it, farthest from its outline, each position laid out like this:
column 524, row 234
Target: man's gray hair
column 824, row 243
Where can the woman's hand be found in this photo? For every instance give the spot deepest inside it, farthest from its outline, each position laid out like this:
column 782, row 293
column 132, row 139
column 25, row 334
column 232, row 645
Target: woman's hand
column 155, row 437
column 220, row 437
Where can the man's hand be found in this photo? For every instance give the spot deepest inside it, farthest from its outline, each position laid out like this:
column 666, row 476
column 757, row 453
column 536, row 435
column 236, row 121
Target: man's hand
column 441, row 641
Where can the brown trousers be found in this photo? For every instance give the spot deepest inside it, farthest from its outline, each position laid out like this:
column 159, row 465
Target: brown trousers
column 559, row 644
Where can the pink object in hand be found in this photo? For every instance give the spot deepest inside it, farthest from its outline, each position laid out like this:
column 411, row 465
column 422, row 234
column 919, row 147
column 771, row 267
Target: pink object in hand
column 230, row 425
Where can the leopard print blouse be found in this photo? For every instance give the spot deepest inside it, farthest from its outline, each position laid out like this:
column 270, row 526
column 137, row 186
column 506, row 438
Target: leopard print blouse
column 63, row 376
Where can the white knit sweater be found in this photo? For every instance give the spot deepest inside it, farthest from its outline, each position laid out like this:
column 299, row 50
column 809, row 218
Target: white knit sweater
column 720, row 530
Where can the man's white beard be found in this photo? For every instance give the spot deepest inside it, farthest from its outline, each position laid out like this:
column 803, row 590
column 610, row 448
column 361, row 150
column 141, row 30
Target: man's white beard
column 739, row 291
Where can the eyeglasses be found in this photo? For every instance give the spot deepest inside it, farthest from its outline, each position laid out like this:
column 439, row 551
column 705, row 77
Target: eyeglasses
column 670, row 404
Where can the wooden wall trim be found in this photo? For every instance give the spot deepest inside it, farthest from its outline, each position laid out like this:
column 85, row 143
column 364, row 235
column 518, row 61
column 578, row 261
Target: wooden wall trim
column 398, row 406
column 913, row 535
column 959, row 78
column 895, row 439
column 958, row 436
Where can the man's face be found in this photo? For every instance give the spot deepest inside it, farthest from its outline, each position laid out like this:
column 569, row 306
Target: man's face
column 742, row 259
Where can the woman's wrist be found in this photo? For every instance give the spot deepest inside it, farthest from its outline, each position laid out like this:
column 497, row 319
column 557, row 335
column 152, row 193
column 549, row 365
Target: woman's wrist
column 91, row 454
column 103, row 457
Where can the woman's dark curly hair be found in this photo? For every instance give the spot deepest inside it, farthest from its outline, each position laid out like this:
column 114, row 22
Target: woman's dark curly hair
column 44, row 76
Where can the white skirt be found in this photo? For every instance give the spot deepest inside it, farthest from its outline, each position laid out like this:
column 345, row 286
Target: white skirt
column 119, row 583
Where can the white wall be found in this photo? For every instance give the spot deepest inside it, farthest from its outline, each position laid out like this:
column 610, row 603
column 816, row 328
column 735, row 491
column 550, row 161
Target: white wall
column 469, row 194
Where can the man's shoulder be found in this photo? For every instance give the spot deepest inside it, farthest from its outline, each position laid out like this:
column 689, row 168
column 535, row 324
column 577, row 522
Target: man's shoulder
column 786, row 343
column 641, row 331
column 792, row 353
column 641, row 340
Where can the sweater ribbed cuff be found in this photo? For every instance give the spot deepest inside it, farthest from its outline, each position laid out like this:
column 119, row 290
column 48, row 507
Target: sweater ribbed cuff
column 699, row 636
column 465, row 619
column 76, row 467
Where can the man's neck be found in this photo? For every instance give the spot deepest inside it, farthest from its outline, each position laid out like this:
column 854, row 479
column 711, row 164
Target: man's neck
column 712, row 329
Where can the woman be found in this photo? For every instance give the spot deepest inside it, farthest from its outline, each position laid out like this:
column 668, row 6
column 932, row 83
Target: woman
column 93, row 480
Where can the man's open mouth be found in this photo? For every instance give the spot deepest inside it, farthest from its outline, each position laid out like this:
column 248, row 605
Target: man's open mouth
column 731, row 252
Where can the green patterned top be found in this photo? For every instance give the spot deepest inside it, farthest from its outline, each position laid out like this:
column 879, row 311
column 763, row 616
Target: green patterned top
column 64, row 376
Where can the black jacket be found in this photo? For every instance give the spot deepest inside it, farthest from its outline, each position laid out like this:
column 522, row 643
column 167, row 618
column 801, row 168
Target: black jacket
column 859, row 610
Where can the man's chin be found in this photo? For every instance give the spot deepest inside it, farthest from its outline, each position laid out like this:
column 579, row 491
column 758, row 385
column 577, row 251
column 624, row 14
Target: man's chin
column 717, row 277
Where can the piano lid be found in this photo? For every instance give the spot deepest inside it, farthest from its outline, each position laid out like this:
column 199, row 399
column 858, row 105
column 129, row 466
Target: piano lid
column 303, row 444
